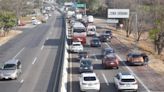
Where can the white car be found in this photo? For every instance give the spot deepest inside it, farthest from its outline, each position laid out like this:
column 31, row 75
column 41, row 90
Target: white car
column 11, row 69
column 125, row 81
column 91, row 30
column 76, row 47
column 36, row 22
column 89, row 82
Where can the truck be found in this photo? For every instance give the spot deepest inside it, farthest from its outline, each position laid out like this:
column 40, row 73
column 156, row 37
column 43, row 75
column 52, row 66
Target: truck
column 79, row 32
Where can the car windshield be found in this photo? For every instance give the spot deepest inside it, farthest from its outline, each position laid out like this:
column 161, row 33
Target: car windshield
column 91, row 29
column 9, row 67
column 76, row 44
column 79, row 30
column 90, row 78
column 108, row 32
column 86, row 63
column 111, row 58
column 137, row 55
column 105, row 35
column 95, row 40
column 128, row 80
column 109, row 51
column 82, row 53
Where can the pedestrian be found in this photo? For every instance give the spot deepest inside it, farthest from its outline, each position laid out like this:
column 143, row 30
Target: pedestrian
column 146, row 58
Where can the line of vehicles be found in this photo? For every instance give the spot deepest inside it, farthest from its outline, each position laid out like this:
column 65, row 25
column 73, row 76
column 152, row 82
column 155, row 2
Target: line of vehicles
column 88, row 79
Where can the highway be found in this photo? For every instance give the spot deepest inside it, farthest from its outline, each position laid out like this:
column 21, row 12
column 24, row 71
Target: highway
column 148, row 80
column 40, row 51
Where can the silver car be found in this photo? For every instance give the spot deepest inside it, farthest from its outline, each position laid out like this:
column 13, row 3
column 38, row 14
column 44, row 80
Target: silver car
column 11, row 69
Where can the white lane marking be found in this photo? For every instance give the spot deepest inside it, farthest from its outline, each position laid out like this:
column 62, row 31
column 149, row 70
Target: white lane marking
column 50, row 33
column 47, row 38
column 147, row 89
column 105, row 79
column 95, row 57
column 22, row 81
column 34, row 60
column 71, row 74
column 18, row 53
column 42, row 47
column 103, row 74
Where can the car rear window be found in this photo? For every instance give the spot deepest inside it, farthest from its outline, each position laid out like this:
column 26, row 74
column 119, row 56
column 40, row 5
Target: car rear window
column 90, row 78
column 9, row 66
column 76, row 44
column 109, row 51
column 128, row 80
column 86, row 63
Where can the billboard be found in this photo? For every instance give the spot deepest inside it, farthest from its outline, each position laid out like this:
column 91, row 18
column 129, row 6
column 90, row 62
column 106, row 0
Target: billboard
column 118, row 13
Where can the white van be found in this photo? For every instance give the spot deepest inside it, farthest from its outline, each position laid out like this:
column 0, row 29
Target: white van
column 90, row 19
column 91, row 30
column 79, row 16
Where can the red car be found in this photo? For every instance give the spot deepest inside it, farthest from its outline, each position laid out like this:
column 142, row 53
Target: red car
column 110, row 61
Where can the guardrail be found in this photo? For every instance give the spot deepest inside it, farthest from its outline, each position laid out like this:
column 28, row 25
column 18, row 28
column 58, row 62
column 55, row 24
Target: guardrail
column 64, row 74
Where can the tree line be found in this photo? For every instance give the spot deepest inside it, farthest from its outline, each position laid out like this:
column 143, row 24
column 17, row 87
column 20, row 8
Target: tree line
column 145, row 16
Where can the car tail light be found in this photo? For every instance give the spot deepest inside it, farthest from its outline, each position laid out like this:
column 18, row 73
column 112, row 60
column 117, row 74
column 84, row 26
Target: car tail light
column 121, row 83
column 135, row 83
column 84, row 83
column 96, row 83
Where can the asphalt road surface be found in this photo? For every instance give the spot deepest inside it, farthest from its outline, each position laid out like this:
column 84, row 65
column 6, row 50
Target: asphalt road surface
column 40, row 51
column 148, row 80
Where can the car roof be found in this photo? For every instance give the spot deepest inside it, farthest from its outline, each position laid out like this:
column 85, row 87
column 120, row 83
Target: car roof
column 76, row 42
column 83, row 52
column 95, row 38
column 85, row 60
column 136, row 54
column 108, row 31
column 91, row 26
column 88, row 74
column 12, row 61
column 109, row 48
column 111, row 55
column 126, row 75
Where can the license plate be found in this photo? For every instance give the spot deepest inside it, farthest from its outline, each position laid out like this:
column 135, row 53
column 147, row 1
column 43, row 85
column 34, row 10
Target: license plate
column 128, row 85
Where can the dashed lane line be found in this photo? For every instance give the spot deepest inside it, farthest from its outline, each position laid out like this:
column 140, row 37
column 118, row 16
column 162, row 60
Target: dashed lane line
column 147, row 89
column 22, row 81
column 34, row 60
column 106, row 81
column 18, row 53
column 42, row 47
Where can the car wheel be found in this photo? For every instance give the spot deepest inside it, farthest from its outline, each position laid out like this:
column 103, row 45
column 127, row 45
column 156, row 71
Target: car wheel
column 135, row 90
column 119, row 90
column 117, row 67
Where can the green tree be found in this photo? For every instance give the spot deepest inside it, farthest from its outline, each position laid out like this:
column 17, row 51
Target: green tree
column 157, row 33
column 7, row 21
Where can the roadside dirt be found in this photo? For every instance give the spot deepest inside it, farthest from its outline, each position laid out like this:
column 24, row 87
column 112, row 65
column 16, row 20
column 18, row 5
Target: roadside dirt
column 145, row 45
column 10, row 35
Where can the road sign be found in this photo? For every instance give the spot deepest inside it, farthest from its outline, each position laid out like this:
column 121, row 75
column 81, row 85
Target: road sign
column 118, row 13
column 80, row 5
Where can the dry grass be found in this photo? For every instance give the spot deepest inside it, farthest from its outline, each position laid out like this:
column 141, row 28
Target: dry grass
column 27, row 19
column 9, row 36
column 156, row 61
column 145, row 45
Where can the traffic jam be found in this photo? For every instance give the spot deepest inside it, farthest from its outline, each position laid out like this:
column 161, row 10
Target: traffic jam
column 98, row 62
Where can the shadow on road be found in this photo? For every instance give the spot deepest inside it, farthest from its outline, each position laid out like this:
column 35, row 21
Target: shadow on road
column 52, row 42
column 73, row 70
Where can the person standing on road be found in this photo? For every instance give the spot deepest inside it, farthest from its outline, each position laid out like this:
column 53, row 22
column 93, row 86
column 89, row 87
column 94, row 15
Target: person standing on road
column 146, row 58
